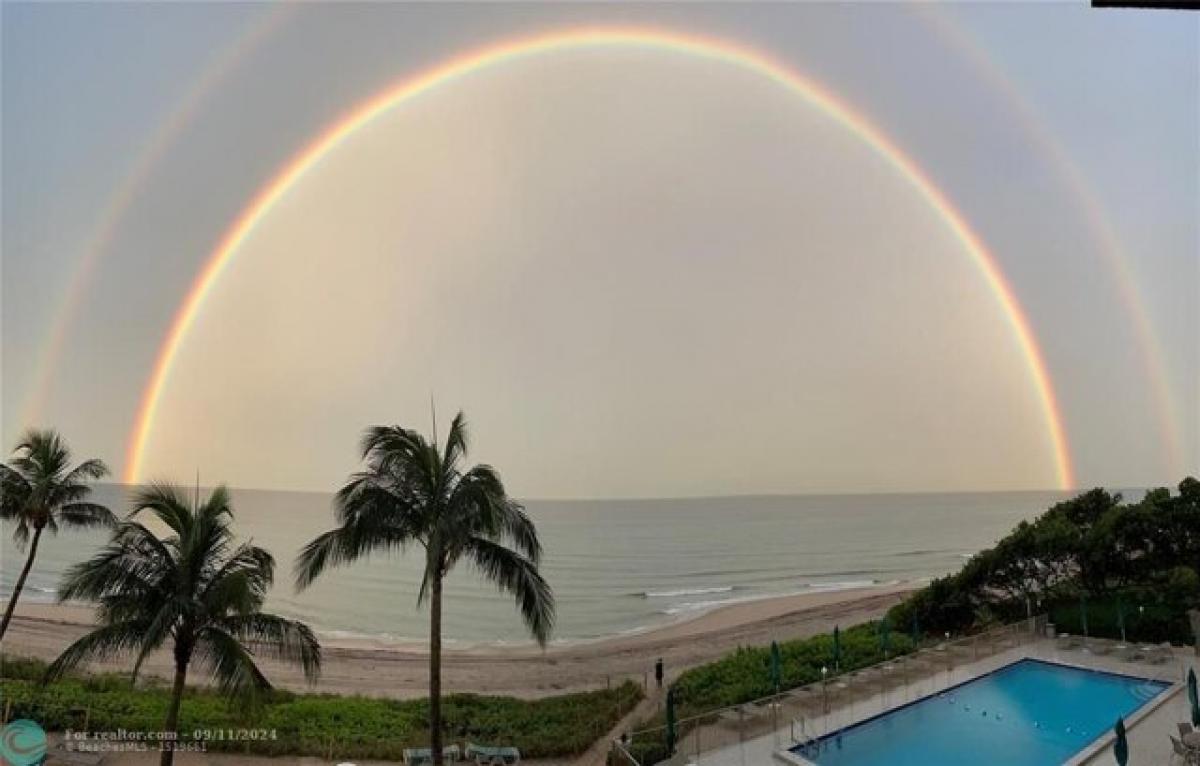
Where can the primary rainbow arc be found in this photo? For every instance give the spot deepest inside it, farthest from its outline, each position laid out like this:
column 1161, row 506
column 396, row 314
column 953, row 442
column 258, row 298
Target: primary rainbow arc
column 686, row 44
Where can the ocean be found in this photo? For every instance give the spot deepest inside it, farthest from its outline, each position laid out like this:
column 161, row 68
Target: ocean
column 616, row 566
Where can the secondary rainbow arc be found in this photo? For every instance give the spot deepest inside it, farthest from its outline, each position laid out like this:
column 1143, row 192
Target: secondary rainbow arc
column 686, row 44
column 125, row 195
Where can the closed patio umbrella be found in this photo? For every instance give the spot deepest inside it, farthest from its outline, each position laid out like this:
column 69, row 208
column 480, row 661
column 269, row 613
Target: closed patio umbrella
column 916, row 631
column 1193, row 697
column 1083, row 614
column 837, row 648
column 671, row 723
column 885, row 636
column 1121, row 617
column 1121, row 745
column 776, row 667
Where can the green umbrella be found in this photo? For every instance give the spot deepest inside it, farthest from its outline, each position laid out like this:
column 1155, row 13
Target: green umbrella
column 1193, row 697
column 1121, row 745
column 885, row 636
column 837, row 648
column 671, row 721
column 1121, row 617
column 1083, row 613
column 776, row 667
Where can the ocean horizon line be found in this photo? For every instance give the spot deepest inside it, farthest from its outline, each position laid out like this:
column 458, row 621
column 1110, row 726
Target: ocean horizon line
column 670, row 498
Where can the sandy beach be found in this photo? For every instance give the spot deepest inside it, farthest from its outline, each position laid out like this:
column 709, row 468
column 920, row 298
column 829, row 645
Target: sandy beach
column 374, row 668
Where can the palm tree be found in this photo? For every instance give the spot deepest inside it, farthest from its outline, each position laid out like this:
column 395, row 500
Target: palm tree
column 40, row 491
column 411, row 493
column 194, row 588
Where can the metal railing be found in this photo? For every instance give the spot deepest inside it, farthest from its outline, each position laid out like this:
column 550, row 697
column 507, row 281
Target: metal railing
column 808, row 712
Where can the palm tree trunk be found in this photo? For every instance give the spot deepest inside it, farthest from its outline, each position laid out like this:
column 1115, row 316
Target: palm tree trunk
column 172, row 722
column 435, row 669
column 12, row 601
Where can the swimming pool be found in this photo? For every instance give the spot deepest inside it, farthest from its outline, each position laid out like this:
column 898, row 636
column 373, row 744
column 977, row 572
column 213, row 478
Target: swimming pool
column 1030, row 712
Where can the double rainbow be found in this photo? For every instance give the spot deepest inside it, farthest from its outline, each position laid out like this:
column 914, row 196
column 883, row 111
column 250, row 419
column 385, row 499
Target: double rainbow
column 684, row 44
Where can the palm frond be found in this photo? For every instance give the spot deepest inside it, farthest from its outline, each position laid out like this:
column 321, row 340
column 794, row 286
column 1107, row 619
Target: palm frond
column 87, row 470
column 86, row 516
column 240, row 584
column 15, row 491
column 375, row 499
column 137, row 538
column 159, row 628
column 99, row 645
column 169, row 505
column 456, row 443
column 347, row 544
column 404, row 455
column 127, row 566
column 21, row 533
column 517, row 575
column 271, row 636
column 232, row 667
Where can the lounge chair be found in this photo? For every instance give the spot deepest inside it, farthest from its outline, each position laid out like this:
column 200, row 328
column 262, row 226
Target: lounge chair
column 1132, row 654
column 1156, row 655
column 1067, row 641
column 421, row 756
column 493, row 756
column 1100, row 647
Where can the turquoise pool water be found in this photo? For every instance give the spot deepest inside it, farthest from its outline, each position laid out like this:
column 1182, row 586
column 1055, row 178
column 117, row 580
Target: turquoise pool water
column 1029, row 713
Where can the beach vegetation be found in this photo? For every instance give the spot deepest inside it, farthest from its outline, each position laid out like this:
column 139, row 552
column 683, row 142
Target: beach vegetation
column 414, row 493
column 40, row 491
column 316, row 725
column 1093, row 553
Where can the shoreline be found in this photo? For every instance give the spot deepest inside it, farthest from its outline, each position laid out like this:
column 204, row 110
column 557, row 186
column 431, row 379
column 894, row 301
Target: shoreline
column 378, row 667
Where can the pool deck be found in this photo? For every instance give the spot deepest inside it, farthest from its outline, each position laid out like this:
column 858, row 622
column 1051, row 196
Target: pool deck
column 853, row 699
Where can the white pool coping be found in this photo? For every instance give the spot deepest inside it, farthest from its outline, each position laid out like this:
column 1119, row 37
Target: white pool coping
column 1131, row 670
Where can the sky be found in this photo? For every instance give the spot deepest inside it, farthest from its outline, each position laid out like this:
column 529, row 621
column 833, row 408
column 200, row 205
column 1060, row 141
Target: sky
column 640, row 271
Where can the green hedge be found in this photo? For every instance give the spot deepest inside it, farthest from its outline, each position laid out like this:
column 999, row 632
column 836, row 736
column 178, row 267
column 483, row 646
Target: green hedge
column 744, row 675
column 1158, row 622
column 309, row 724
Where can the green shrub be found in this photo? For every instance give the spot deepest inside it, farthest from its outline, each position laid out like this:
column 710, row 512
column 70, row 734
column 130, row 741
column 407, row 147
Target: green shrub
column 1154, row 623
column 744, row 675
column 21, row 668
column 316, row 724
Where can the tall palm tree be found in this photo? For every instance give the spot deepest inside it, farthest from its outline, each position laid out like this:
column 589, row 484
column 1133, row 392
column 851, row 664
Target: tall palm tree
column 410, row 492
column 195, row 588
column 40, row 491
